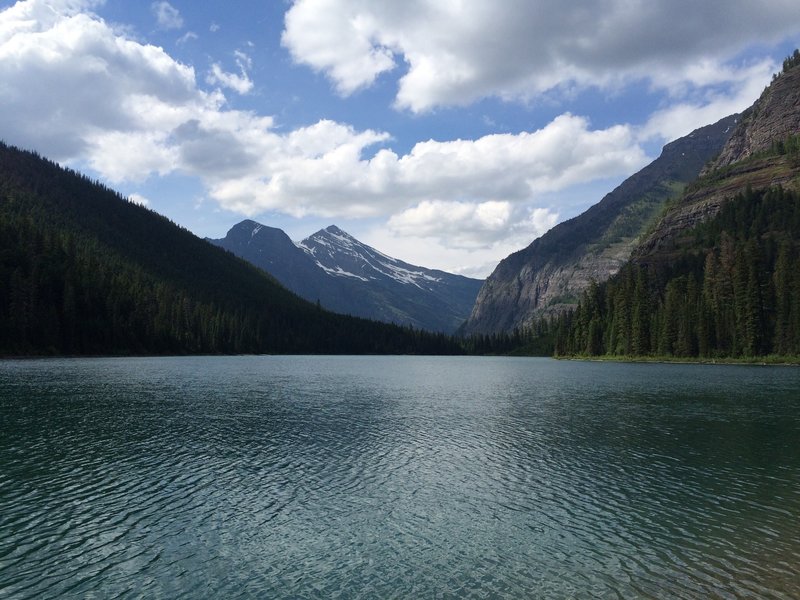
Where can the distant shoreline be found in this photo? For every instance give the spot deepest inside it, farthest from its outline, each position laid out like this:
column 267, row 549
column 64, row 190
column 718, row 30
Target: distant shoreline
column 762, row 361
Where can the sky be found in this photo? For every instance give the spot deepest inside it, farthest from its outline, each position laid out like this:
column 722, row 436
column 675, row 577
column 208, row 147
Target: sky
column 446, row 133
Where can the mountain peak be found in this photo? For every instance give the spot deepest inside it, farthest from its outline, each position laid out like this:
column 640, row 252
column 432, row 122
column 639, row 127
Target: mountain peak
column 349, row 277
column 244, row 230
column 333, row 229
column 336, row 236
column 774, row 117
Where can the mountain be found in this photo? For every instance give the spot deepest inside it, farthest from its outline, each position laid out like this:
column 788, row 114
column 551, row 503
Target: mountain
column 718, row 276
column 273, row 251
column 549, row 276
column 84, row 271
column 773, row 118
column 763, row 150
column 349, row 277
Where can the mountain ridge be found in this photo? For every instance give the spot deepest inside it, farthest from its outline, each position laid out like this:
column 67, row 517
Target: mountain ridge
column 718, row 276
column 550, row 274
column 347, row 276
column 754, row 157
column 85, row 271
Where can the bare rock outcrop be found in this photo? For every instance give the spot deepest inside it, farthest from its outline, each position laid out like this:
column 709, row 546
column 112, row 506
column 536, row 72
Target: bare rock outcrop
column 774, row 116
column 550, row 274
column 748, row 159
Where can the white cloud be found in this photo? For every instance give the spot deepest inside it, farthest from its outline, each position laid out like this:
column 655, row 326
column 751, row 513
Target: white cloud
column 167, row 16
column 437, row 250
column 139, row 199
column 454, row 53
column 187, row 37
column 324, row 169
column 106, row 84
column 465, row 238
column 131, row 111
column 339, row 42
column 241, row 84
column 471, row 225
column 682, row 118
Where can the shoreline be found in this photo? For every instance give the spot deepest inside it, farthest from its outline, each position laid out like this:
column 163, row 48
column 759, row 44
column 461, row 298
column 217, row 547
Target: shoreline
column 763, row 361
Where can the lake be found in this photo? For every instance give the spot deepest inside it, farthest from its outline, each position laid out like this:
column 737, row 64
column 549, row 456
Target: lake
column 397, row 477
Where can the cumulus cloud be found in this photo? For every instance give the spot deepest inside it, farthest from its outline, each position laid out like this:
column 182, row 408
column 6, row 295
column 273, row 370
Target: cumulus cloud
column 241, row 83
column 471, row 225
column 339, row 42
column 437, row 248
column 325, row 169
column 466, row 237
column 70, row 81
column 167, row 16
column 683, row 117
column 453, row 53
column 131, row 111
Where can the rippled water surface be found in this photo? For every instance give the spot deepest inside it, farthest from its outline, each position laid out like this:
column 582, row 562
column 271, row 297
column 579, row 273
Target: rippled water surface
column 407, row 477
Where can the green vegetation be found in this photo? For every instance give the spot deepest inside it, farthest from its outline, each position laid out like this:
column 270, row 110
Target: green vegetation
column 533, row 341
column 789, row 147
column 639, row 215
column 730, row 289
column 84, row 271
column 790, row 62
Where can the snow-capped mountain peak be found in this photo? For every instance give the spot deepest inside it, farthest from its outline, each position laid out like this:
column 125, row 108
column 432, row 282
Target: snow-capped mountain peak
column 340, row 254
column 342, row 274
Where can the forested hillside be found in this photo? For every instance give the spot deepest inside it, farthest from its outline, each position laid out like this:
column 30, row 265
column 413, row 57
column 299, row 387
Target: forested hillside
column 549, row 276
column 731, row 288
column 84, row 271
column 718, row 276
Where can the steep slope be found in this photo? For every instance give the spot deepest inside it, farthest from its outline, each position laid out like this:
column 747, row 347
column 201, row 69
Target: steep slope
column 84, row 271
column 728, row 288
column 763, row 151
column 550, row 274
column 719, row 274
column 349, row 277
column 271, row 250
column 774, row 117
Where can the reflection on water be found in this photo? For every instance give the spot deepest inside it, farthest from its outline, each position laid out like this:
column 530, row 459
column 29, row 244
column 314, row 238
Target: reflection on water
column 397, row 477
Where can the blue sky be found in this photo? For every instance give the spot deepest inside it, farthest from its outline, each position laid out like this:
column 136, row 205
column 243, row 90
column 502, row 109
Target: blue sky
column 446, row 133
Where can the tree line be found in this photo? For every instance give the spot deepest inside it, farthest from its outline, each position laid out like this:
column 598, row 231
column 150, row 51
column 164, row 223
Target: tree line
column 729, row 288
column 84, row 271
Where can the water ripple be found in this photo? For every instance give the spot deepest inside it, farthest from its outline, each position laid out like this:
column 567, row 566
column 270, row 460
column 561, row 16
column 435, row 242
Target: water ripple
column 323, row 477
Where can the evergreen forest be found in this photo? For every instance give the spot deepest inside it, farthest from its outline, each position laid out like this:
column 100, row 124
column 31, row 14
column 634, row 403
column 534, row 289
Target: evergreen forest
column 85, row 271
column 728, row 288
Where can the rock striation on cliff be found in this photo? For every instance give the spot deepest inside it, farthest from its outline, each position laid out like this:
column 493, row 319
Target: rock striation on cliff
column 550, row 274
column 753, row 157
column 774, row 116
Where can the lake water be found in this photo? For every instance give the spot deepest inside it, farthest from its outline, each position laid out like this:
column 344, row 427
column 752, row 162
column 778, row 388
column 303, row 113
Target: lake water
column 406, row 477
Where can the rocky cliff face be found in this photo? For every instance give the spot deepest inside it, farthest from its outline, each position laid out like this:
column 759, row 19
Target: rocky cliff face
column 774, row 116
column 550, row 274
column 748, row 158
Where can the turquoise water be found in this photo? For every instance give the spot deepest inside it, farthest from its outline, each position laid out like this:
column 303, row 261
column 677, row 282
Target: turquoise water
column 404, row 477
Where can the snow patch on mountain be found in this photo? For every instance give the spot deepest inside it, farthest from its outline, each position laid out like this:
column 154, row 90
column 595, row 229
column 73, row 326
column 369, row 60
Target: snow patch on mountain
column 340, row 254
column 339, row 272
